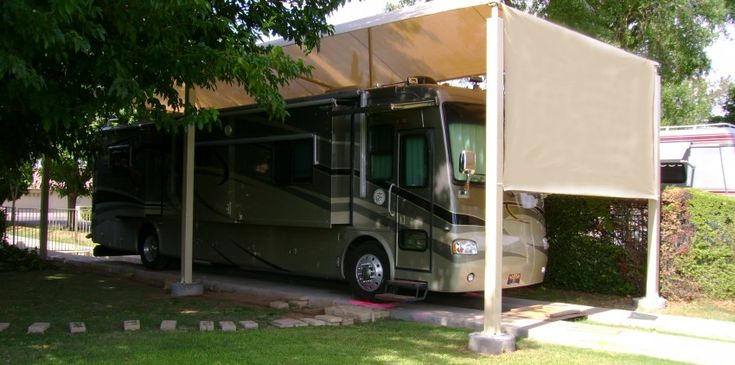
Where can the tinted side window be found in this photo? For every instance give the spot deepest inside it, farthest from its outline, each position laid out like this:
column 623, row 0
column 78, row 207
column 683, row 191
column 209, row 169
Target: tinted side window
column 119, row 159
column 381, row 142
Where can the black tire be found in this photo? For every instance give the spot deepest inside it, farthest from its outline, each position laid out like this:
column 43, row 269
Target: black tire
column 367, row 270
column 150, row 252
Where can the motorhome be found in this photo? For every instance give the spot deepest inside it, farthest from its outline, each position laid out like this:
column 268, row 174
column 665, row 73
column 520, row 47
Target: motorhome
column 382, row 187
column 700, row 156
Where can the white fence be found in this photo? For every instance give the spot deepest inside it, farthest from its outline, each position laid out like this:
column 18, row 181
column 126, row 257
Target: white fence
column 67, row 229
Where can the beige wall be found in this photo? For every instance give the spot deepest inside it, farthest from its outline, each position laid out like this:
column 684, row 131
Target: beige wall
column 33, row 200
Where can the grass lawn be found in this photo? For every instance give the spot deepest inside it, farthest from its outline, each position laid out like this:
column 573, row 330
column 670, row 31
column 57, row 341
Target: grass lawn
column 103, row 302
column 710, row 309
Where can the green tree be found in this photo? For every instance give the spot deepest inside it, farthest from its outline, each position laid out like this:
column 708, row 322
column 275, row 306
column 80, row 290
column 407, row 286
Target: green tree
column 675, row 33
column 392, row 6
column 71, row 174
column 64, row 62
column 13, row 184
column 687, row 102
column 729, row 107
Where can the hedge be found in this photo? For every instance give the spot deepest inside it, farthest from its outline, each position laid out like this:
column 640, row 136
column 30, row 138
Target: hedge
column 599, row 245
column 13, row 258
column 585, row 251
column 697, row 245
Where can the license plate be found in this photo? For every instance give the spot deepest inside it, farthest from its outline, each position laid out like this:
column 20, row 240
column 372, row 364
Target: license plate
column 514, row 278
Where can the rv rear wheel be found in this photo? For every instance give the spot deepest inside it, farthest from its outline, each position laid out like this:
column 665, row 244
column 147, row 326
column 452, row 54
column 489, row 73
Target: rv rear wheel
column 150, row 252
column 367, row 270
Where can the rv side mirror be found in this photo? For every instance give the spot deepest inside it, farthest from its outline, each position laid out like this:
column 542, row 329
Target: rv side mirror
column 467, row 162
column 467, row 166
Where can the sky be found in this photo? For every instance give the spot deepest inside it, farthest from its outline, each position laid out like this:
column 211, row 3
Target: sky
column 721, row 53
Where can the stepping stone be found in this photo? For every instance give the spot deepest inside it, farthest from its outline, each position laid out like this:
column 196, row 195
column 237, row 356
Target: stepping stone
column 206, row 326
column 314, row 322
column 77, row 327
column 39, row 327
column 4, row 326
column 348, row 321
column 361, row 314
column 279, row 305
column 227, row 326
column 287, row 323
column 249, row 325
column 330, row 319
column 131, row 325
column 381, row 314
column 298, row 304
column 168, row 325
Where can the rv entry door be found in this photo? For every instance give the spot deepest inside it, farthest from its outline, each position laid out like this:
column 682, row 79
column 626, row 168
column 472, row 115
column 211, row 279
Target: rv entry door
column 414, row 200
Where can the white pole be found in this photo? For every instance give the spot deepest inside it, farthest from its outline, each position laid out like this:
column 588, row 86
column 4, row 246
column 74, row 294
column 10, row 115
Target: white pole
column 653, row 301
column 43, row 218
column 187, row 209
column 494, row 177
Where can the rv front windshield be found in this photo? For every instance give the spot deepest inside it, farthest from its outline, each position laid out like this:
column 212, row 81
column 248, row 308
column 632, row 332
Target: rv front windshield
column 466, row 130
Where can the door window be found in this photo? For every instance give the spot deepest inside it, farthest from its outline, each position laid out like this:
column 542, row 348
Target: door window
column 414, row 161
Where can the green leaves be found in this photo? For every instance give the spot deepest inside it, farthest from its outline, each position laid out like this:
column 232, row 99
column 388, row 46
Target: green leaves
column 66, row 62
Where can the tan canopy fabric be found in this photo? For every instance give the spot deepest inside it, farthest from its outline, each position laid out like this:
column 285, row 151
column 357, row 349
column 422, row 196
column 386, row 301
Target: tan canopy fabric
column 441, row 39
column 579, row 114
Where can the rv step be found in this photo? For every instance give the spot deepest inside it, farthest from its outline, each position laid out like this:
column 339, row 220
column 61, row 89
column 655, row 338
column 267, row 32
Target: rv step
column 404, row 291
column 391, row 297
column 406, row 283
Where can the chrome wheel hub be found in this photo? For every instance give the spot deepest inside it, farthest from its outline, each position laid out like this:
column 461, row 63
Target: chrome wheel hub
column 150, row 249
column 369, row 272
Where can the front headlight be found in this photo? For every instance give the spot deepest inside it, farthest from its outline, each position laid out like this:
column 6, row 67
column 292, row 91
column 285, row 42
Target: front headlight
column 464, row 247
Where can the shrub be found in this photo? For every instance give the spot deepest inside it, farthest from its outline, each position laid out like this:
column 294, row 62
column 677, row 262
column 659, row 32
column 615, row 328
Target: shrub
column 710, row 259
column 3, row 224
column 599, row 245
column 13, row 258
column 676, row 241
column 591, row 247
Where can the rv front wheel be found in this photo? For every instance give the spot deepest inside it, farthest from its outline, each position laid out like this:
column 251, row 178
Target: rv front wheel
column 368, row 270
column 150, row 252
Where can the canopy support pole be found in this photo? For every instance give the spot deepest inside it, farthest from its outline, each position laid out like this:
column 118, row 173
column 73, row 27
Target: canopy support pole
column 653, row 301
column 187, row 211
column 492, row 340
column 186, row 287
column 43, row 217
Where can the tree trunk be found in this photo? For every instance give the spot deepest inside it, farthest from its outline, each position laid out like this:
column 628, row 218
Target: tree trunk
column 71, row 213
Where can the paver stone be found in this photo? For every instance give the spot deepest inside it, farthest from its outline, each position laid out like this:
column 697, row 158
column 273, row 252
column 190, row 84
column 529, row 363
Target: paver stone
column 131, row 325
column 168, row 325
column 249, row 325
column 206, row 326
column 314, row 322
column 287, row 323
column 227, row 326
column 77, row 327
column 279, row 305
column 39, row 327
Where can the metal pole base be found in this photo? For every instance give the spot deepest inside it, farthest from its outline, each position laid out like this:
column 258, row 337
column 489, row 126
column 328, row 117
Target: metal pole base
column 487, row 343
column 650, row 304
column 186, row 289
